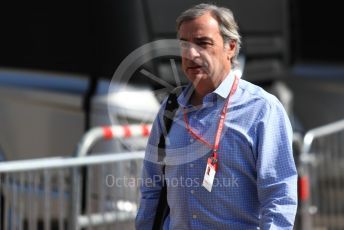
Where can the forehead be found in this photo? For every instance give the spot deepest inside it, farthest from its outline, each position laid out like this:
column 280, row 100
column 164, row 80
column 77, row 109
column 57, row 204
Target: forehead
column 205, row 25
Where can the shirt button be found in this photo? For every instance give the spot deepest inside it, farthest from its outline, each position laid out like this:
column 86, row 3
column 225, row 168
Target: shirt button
column 191, row 165
column 194, row 216
column 192, row 191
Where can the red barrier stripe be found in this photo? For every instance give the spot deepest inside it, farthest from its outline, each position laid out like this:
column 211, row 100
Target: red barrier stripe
column 303, row 188
column 127, row 131
column 145, row 130
column 107, row 133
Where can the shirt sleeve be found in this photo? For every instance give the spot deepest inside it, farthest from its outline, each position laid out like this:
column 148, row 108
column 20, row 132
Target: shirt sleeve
column 276, row 171
column 151, row 180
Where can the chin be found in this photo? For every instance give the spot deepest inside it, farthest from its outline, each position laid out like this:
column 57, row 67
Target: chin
column 197, row 76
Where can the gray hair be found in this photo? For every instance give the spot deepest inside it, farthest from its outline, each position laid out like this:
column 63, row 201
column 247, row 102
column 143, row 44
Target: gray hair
column 224, row 16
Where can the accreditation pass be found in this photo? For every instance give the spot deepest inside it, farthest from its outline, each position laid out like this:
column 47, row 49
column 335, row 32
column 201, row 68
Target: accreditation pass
column 209, row 176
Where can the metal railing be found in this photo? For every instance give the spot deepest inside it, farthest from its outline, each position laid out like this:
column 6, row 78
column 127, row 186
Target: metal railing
column 83, row 179
column 321, row 180
column 39, row 193
column 111, row 132
column 49, row 193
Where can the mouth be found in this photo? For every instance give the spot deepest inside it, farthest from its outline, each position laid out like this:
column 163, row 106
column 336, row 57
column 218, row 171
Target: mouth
column 196, row 69
column 195, row 66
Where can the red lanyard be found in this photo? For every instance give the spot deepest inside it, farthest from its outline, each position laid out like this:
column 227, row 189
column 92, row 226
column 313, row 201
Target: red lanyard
column 215, row 147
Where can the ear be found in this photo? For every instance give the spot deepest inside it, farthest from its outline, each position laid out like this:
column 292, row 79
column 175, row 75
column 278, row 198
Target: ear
column 231, row 47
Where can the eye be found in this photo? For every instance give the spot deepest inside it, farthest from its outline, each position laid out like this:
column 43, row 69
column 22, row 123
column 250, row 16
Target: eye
column 184, row 44
column 204, row 44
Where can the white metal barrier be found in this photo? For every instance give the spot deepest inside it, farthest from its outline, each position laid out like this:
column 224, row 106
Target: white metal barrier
column 82, row 178
column 39, row 193
column 74, row 193
column 321, row 184
column 111, row 132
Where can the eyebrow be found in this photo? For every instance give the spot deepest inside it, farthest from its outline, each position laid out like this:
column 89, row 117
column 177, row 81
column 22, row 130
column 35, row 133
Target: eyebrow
column 199, row 39
column 203, row 39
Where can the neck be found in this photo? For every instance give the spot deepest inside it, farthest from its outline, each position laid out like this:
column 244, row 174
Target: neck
column 196, row 98
column 202, row 88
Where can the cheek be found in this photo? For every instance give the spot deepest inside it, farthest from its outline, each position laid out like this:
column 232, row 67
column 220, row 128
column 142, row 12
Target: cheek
column 183, row 62
column 210, row 55
column 208, row 61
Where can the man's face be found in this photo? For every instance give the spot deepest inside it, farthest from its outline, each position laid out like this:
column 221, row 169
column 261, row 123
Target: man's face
column 205, row 57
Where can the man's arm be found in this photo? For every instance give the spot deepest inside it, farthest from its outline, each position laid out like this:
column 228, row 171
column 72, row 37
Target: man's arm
column 152, row 179
column 150, row 192
column 276, row 171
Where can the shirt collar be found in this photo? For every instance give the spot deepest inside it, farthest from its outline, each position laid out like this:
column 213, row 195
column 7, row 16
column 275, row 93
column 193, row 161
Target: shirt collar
column 184, row 97
column 222, row 90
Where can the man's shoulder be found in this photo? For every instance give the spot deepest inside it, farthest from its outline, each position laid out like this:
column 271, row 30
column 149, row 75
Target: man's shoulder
column 171, row 97
column 255, row 90
column 252, row 92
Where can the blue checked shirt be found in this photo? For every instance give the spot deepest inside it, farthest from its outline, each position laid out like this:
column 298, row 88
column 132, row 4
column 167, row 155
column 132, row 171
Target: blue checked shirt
column 255, row 186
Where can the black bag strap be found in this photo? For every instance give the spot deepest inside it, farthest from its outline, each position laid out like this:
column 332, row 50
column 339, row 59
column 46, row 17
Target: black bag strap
column 169, row 113
column 163, row 209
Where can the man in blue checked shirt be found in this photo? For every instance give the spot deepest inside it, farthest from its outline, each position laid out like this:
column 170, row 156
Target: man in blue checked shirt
column 229, row 161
